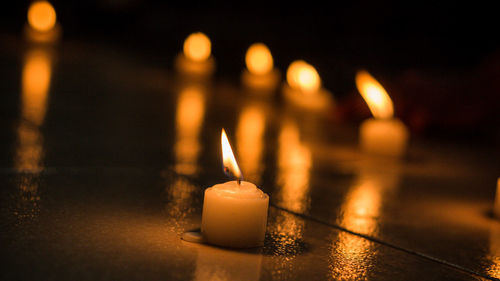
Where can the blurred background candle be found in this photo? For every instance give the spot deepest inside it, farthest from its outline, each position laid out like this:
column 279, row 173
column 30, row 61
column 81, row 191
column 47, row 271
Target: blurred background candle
column 303, row 87
column 235, row 212
column 382, row 134
column 196, row 58
column 260, row 74
column 42, row 24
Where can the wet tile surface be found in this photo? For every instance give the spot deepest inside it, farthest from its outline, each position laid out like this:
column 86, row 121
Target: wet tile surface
column 126, row 224
column 106, row 155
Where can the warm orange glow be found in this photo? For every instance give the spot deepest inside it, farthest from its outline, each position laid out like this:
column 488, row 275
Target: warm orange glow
column 189, row 118
column 362, row 207
column 494, row 251
column 259, row 59
column 294, row 163
column 303, row 76
column 29, row 149
column 228, row 159
column 41, row 16
column 197, row 47
column 351, row 254
column 351, row 257
column 35, row 86
column 250, row 143
column 376, row 97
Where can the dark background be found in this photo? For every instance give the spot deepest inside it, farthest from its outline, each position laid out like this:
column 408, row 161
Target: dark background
column 440, row 61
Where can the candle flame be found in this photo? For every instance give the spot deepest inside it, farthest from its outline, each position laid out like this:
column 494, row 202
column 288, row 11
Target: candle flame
column 41, row 16
column 374, row 94
column 228, row 160
column 303, row 76
column 259, row 59
column 197, row 47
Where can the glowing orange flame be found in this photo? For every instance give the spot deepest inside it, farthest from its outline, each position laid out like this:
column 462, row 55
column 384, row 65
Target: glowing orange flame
column 259, row 59
column 228, row 159
column 374, row 94
column 303, row 76
column 41, row 16
column 197, row 47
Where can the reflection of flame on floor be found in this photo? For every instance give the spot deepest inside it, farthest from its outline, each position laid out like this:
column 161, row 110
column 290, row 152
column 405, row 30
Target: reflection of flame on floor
column 189, row 118
column 494, row 256
column 284, row 241
column 250, row 144
column 351, row 257
column 286, row 233
column 28, row 160
column 360, row 213
column 180, row 201
column 294, row 164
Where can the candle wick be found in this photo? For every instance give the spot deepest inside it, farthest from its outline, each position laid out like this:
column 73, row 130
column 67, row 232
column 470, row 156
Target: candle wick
column 238, row 180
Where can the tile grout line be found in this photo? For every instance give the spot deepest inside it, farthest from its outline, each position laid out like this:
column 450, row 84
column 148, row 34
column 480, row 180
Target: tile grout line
column 376, row 240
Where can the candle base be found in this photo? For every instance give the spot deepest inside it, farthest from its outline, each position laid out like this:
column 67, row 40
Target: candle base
column 194, row 68
column 387, row 137
column 36, row 36
column 261, row 84
column 320, row 100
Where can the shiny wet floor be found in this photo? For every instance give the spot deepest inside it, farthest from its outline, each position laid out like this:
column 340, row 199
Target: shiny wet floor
column 105, row 156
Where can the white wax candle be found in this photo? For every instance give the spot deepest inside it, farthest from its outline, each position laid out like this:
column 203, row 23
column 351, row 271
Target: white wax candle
column 496, row 208
column 384, row 136
column 234, row 215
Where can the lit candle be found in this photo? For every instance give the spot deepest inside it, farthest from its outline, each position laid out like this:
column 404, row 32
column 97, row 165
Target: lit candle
column 303, row 87
column 383, row 134
column 260, row 74
column 496, row 209
column 196, row 57
column 235, row 212
column 42, row 25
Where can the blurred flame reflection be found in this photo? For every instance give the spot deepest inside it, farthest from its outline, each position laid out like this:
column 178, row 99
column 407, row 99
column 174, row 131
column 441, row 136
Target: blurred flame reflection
column 294, row 165
column 35, row 86
column 28, row 160
column 360, row 213
column 250, row 143
column 189, row 119
column 494, row 253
